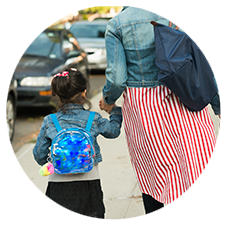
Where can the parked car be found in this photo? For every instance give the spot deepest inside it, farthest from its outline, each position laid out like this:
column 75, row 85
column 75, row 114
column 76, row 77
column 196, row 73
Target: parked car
column 51, row 52
column 102, row 19
column 11, row 108
column 91, row 36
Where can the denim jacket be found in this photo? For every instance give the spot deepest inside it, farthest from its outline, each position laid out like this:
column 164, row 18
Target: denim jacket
column 130, row 50
column 77, row 116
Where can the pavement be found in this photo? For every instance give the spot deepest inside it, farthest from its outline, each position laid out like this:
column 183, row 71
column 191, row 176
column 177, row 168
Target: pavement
column 122, row 197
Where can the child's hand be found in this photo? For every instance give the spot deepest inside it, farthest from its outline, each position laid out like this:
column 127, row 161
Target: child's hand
column 106, row 107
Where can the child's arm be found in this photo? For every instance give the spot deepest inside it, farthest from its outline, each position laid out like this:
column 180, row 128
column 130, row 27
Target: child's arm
column 41, row 149
column 111, row 128
column 106, row 107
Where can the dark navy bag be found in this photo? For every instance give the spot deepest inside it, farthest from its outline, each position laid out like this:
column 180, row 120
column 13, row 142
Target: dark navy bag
column 183, row 67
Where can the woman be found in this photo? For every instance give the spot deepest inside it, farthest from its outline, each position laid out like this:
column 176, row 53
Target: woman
column 169, row 145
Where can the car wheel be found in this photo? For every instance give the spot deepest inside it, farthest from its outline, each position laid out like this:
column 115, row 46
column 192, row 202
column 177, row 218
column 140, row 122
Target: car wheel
column 10, row 116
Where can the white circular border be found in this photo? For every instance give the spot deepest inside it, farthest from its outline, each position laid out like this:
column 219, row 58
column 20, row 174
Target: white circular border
column 19, row 54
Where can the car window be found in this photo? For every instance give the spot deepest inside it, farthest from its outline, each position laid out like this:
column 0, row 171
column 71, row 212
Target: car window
column 88, row 30
column 47, row 44
column 70, row 43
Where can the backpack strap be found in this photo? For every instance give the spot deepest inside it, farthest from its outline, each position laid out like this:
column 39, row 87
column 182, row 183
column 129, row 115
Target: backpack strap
column 173, row 8
column 55, row 121
column 90, row 120
column 88, row 126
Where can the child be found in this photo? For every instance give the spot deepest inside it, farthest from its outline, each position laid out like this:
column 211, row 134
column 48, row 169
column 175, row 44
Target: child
column 81, row 193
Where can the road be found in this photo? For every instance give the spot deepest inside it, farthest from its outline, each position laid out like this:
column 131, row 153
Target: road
column 29, row 120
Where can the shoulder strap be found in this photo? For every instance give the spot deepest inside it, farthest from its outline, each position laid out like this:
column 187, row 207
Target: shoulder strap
column 55, row 121
column 173, row 8
column 88, row 126
column 90, row 120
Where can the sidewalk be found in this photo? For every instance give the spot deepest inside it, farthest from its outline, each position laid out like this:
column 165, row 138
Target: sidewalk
column 122, row 197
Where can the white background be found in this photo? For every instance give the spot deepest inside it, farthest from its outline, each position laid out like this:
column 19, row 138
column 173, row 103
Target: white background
column 215, row 172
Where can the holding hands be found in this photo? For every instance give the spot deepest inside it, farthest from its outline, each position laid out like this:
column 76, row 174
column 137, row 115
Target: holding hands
column 106, row 107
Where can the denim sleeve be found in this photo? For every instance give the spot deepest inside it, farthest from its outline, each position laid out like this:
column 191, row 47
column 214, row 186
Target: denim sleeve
column 116, row 72
column 41, row 149
column 111, row 128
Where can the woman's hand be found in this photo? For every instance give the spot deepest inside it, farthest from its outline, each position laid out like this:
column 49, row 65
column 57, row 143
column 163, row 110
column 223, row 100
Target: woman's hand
column 106, row 107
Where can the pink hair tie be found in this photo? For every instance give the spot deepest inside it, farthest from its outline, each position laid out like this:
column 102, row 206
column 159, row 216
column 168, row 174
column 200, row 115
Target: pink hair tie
column 64, row 74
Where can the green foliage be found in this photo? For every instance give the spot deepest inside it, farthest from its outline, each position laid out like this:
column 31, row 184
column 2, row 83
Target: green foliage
column 40, row 10
column 98, row 9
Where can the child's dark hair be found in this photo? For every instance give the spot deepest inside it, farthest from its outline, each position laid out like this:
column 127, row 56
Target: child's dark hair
column 69, row 88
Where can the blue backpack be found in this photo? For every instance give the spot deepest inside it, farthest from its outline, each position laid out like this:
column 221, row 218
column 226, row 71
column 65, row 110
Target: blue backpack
column 72, row 149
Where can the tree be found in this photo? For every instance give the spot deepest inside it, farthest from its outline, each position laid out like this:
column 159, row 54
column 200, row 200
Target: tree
column 39, row 10
column 98, row 10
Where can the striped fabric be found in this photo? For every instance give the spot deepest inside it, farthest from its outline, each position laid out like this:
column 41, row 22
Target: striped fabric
column 169, row 145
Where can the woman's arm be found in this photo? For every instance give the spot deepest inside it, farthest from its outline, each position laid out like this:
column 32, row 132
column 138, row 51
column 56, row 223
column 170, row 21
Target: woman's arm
column 193, row 25
column 116, row 72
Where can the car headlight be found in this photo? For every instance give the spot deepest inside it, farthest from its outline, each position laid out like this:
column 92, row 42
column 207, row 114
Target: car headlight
column 36, row 81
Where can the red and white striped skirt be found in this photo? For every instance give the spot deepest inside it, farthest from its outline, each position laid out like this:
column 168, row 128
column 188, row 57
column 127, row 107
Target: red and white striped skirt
column 169, row 145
